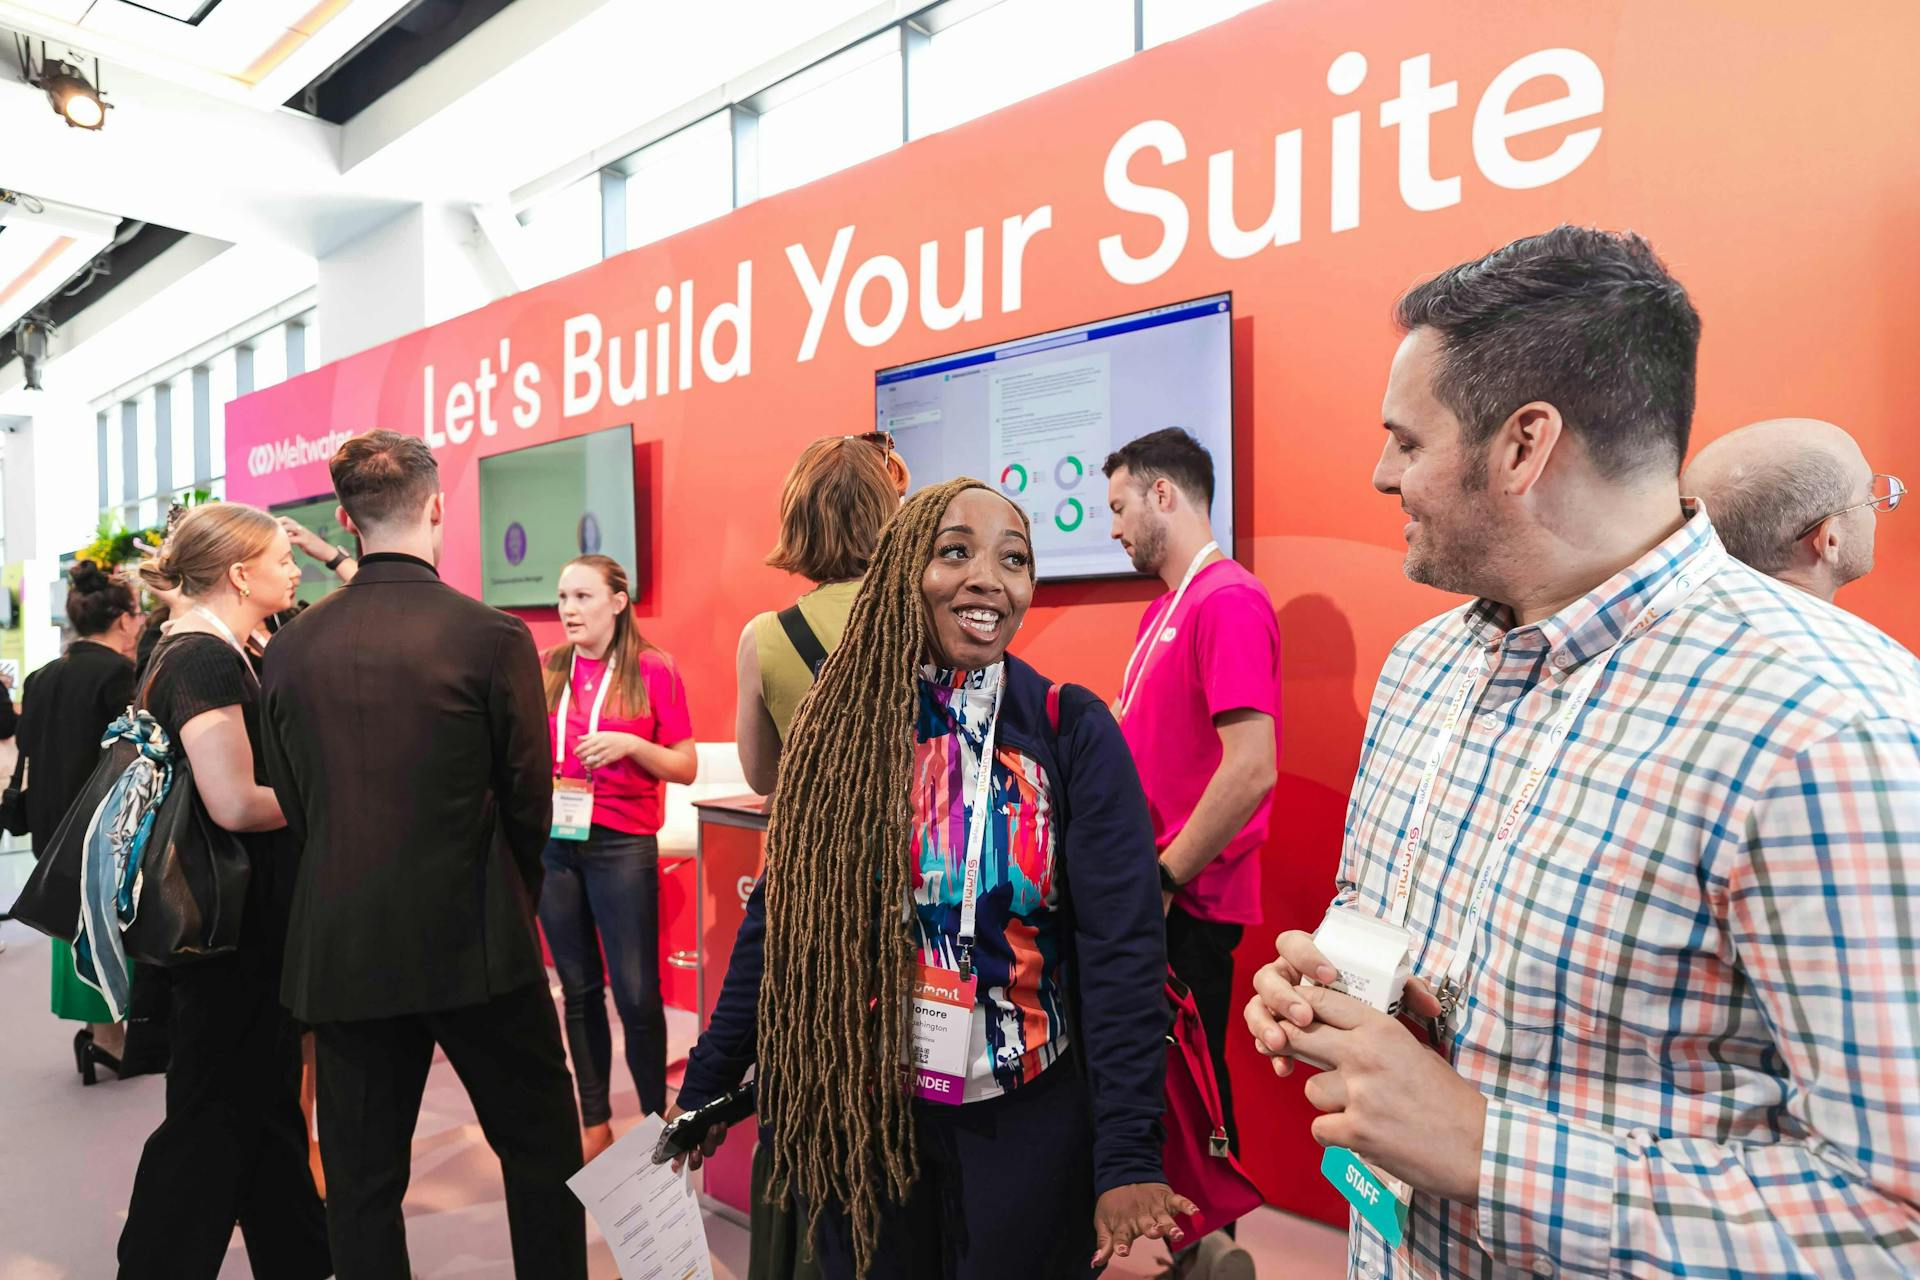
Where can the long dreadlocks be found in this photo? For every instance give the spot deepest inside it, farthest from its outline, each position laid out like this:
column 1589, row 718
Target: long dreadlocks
column 834, row 1002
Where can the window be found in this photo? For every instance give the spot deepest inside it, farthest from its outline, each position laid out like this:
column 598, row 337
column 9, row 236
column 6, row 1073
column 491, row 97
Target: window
column 563, row 230
column 681, row 181
column 1165, row 20
column 833, row 115
column 181, row 409
column 980, row 59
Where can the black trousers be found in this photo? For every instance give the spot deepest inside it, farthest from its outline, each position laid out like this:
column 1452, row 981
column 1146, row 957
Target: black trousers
column 1200, row 953
column 233, row 1146
column 1005, row 1191
column 507, row 1053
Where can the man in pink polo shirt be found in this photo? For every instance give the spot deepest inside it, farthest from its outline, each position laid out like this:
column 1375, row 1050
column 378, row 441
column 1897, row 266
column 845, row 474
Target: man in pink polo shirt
column 1200, row 707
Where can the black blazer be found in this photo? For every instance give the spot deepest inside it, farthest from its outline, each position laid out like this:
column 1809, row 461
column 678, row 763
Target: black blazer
column 65, row 708
column 404, row 727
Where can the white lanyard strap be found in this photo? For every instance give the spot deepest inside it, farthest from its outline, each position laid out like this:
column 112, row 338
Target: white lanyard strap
column 227, row 634
column 566, row 705
column 1579, row 691
column 979, row 818
column 1161, row 632
column 1413, row 843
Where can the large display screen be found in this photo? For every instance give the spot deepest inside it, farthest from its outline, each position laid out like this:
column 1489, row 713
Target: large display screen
column 541, row 507
column 317, row 514
column 1038, row 416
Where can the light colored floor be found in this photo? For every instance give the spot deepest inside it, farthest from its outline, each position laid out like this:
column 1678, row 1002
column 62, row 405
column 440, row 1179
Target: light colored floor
column 67, row 1157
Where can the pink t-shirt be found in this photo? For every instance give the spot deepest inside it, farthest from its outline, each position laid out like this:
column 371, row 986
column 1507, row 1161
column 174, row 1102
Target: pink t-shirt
column 1224, row 656
column 625, row 796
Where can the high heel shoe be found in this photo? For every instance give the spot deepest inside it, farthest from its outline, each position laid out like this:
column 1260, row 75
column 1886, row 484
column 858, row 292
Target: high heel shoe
column 87, row 1056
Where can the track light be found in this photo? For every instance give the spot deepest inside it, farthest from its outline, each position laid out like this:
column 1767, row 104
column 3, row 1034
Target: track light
column 30, row 344
column 75, row 99
column 73, row 96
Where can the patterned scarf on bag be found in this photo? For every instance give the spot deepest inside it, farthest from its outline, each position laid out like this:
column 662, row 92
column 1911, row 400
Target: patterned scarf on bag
column 110, row 868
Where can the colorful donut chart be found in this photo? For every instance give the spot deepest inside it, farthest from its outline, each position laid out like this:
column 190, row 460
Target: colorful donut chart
column 1069, row 515
column 1013, row 480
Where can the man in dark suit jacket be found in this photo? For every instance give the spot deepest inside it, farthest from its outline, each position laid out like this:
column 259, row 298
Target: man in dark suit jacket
column 405, row 729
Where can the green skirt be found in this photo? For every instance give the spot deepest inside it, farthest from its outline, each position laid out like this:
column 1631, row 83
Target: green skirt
column 73, row 999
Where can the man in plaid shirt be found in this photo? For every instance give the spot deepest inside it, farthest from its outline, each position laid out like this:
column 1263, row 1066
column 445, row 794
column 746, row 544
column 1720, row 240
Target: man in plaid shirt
column 1665, row 876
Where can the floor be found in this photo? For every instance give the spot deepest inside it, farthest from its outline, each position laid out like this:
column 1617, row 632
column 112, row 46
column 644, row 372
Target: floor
column 67, row 1157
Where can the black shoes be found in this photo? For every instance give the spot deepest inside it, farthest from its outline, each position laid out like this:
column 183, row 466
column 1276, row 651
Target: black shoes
column 87, row 1056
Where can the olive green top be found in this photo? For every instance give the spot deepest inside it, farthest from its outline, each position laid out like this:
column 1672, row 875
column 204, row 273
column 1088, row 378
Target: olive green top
column 784, row 678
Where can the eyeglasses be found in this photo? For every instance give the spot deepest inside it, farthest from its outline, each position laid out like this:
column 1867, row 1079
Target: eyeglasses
column 881, row 440
column 1886, row 490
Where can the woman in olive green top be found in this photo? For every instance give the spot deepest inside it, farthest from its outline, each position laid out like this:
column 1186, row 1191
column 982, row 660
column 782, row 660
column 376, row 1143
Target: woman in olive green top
column 840, row 493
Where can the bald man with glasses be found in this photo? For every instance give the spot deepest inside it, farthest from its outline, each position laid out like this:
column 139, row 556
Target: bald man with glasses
column 1796, row 499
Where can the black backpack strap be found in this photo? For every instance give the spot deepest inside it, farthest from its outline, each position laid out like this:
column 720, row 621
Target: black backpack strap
column 801, row 637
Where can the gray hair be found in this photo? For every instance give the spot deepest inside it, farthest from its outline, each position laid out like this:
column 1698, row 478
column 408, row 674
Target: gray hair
column 1760, row 509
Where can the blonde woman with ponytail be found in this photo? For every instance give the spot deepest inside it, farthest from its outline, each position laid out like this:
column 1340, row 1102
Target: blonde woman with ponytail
column 233, row 1146
column 621, row 733
column 924, row 760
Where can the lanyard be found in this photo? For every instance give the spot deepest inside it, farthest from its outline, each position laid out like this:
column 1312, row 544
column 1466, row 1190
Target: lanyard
column 1159, row 635
column 980, row 817
column 1579, row 691
column 226, row 631
column 566, row 704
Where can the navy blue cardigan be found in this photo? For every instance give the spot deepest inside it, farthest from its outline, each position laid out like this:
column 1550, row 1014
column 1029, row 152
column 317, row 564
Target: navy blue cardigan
column 1115, row 934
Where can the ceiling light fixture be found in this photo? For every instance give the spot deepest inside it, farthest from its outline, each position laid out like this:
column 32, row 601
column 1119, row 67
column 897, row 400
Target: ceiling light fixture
column 75, row 99
column 30, row 344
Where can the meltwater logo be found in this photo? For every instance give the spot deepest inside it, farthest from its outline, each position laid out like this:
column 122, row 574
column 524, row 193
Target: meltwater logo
column 294, row 451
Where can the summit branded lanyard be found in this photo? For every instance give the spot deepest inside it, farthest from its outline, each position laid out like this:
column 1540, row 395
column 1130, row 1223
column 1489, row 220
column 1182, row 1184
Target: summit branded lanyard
column 1579, row 691
column 979, row 819
column 573, row 799
column 1162, row 633
column 939, row 1048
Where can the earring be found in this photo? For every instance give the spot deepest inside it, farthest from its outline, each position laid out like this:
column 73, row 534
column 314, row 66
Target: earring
column 246, row 593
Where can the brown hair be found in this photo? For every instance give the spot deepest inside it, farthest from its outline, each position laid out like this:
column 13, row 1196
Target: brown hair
column 207, row 542
column 839, row 957
column 840, row 493
column 383, row 476
column 630, row 689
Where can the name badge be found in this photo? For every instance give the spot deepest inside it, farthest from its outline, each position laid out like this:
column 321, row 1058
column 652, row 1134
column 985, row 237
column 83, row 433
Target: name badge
column 942, row 1034
column 1381, row 1201
column 572, row 809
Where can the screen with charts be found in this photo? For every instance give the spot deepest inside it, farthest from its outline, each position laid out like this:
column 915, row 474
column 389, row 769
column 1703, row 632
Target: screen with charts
column 1038, row 416
column 316, row 580
column 541, row 507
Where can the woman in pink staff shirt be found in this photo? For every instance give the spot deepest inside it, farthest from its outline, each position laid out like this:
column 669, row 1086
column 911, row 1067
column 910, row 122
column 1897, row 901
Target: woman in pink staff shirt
column 620, row 734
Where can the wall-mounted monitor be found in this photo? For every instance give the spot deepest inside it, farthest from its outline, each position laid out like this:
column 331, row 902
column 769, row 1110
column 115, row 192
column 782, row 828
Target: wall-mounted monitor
column 541, row 507
column 317, row 514
column 1038, row 416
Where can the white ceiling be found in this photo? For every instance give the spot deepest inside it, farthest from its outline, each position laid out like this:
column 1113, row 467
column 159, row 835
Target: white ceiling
column 191, row 144
column 41, row 245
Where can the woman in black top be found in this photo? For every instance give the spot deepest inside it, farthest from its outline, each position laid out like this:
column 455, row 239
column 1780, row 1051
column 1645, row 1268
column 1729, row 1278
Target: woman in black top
column 67, row 706
column 233, row 1146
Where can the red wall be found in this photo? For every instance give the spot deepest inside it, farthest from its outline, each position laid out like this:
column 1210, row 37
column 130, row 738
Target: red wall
column 1765, row 147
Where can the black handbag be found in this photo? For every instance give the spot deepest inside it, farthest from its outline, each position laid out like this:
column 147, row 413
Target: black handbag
column 14, row 819
column 193, row 872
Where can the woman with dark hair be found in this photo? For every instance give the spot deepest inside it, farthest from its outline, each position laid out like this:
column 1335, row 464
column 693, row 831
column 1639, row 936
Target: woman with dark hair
column 954, row 842
column 66, row 708
column 621, row 732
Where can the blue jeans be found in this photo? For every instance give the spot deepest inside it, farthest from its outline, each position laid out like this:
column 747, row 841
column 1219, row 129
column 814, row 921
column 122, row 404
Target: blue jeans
column 606, row 888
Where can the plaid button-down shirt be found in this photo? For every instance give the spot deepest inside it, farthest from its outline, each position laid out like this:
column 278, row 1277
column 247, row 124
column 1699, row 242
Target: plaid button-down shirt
column 1694, row 1002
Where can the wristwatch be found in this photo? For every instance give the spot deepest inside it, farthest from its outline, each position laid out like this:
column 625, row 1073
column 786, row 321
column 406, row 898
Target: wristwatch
column 1167, row 882
column 339, row 556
